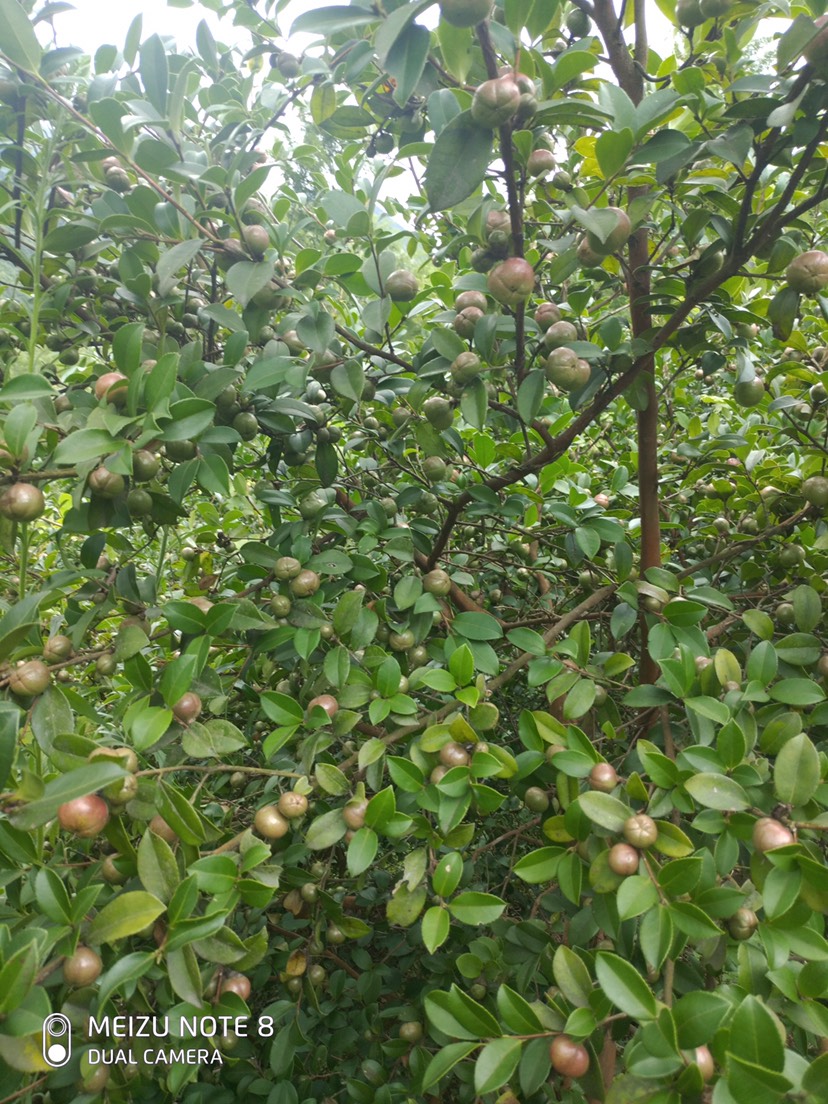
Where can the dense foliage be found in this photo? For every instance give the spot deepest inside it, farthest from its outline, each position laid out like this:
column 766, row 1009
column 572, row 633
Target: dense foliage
column 413, row 536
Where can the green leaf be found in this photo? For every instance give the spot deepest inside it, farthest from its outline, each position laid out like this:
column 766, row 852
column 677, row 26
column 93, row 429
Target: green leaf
column 406, row 59
column 246, row 278
column 496, row 1063
column 796, row 773
column 444, row 1061
column 539, row 866
column 698, row 1016
column 157, row 867
column 625, row 987
column 154, row 73
column 17, row 977
column 717, row 791
column 612, row 150
column 435, row 928
column 458, row 1016
column 128, row 914
column 531, row 394
column 17, row 37
column 325, row 831
column 214, row 739
column 331, row 19
column 83, row 445
column 571, row 976
column 604, row 809
column 361, row 851
column 458, row 162
column 750, row 1083
column 476, row 908
column 518, row 1015
column 447, row 874
column 476, row 626
column 798, row 692
column 405, row 906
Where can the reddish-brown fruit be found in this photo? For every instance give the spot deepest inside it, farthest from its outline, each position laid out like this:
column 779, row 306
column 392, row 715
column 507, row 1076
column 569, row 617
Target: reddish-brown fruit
column 495, row 102
column 453, row 755
column 305, row 583
column 105, row 483
column 84, row 816
column 238, row 984
column 402, row 286
column 540, row 161
column 83, row 967
column 742, row 924
column 22, row 502
column 808, row 273
column 112, row 386
column 568, row 1057
column 512, row 281
column 768, row 834
column 160, row 828
column 325, row 701
column 623, row 859
column 354, row 814
column 704, row 1060
column 470, row 299
column 187, row 708
column 603, row 778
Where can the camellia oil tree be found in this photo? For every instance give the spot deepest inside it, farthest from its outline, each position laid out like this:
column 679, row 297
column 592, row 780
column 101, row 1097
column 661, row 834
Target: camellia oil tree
column 413, row 533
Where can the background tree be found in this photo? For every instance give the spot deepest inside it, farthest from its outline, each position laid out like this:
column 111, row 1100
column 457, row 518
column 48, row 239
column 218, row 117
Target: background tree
column 415, row 545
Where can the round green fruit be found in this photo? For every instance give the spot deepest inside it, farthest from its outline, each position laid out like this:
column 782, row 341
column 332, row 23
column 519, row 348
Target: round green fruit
column 57, row 648
column 466, row 367
column 578, row 22
column 439, row 412
column 402, row 286
column 748, row 393
column 145, row 465
column 536, row 800
column 434, row 469
column 292, row 805
column 287, row 567
column 559, row 334
column 465, row 322
column 180, row 450
column 470, row 299
column 742, row 924
column 640, row 830
column 689, row 13
column 815, row 490
column 437, row 582
column 139, row 503
column 465, row 13
column 603, row 778
column 305, row 583
column 257, row 239
column 566, row 370
column 245, row 423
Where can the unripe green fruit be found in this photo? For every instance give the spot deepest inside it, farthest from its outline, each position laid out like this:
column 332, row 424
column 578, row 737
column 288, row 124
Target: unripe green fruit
column 105, row 483
column 689, row 13
column 56, row 648
column 139, row 502
column 748, row 393
column 438, row 412
column 288, row 65
column 578, row 22
column 307, row 582
column 287, row 567
column 257, row 239
column 742, row 924
column 540, row 161
column 280, row 605
column 245, row 423
column 559, row 334
column 402, row 286
column 180, row 450
column 145, row 466
column 466, row 367
column 292, row 805
column 465, row 322
column 437, row 582
column 106, row 665
column 815, row 490
column 470, row 299
column 536, row 799
column 640, row 830
column 434, row 469
column 270, row 823
column 566, row 370
column 465, row 13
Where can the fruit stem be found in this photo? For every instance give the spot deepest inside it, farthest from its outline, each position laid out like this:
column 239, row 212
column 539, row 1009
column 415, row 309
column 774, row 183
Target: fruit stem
column 162, row 552
column 24, row 559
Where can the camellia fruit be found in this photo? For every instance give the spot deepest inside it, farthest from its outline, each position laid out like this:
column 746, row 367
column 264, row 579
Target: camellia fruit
column 238, row 984
column 618, row 236
column 547, row 314
column 438, row 412
column 742, row 924
column 689, row 13
column 83, row 967
column 495, row 102
column 292, row 805
column 702, row 1056
column 402, row 285
column 453, row 755
column 748, row 393
column 566, row 370
column 623, row 859
column 159, row 827
column 22, row 502
column 84, row 816
column 815, row 490
column 286, row 567
column 187, row 708
column 603, row 778
column 559, row 334
column 30, row 678
column 465, row 367
column 307, row 582
column 437, row 582
column 56, row 648
column 270, row 823
column 540, row 161
column 354, row 814
column 536, row 799
column 568, row 1058
column 470, row 299
column 768, row 834
column 512, row 281
column 112, row 387
column 105, row 483
column 466, row 320
column 326, row 702
column 808, row 273
column 465, row 13
column 640, row 830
